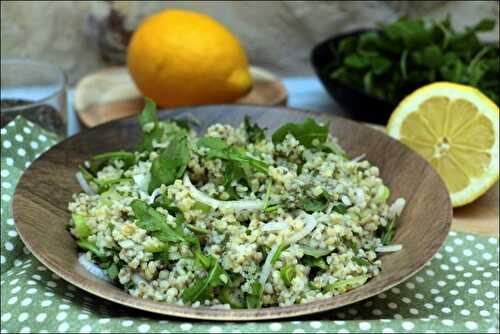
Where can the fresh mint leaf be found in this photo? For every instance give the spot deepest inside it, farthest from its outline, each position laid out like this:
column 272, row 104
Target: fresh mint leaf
column 171, row 163
column 306, row 133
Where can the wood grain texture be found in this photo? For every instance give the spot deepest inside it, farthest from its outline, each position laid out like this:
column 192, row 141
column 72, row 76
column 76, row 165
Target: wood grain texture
column 110, row 94
column 46, row 187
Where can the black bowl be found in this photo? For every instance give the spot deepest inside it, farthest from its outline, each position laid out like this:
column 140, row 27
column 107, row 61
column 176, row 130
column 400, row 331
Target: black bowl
column 358, row 104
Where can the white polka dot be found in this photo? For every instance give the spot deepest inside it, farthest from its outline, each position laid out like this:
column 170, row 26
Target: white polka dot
column 392, row 305
column 487, row 256
column 465, row 312
column 6, row 185
column 478, row 302
column 469, row 237
column 52, row 284
column 10, row 222
column 484, row 313
column 23, row 316
column 12, row 300
column 27, row 164
column 37, row 277
column 410, row 285
column 414, row 311
column 382, row 295
column 3, row 131
column 430, row 272
column 419, row 279
column 185, row 326
column 61, row 316
column 128, row 323
column 479, row 246
column 275, row 326
column 4, row 173
column 315, row 324
column 473, row 263
column 42, row 137
column 46, row 303
column 453, row 233
column 476, row 282
column 352, row 311
column 12, row 233
column 494, row 283
column 377, row 312
column 470, row 325
column 441, row 283
column 86, row 329
column 6, row 317
column 27, row 130
column 387, row 330
column 85, row 316
column 338, row 322
column 395, row 290
column 434, row 291
column 26, row 302
column 495, row 306
column 21, row 152
column 458, row 241
column 451, row 277
column 406, row 300
column 5, row 197
column 7, row 144
column 25, row 330
column 143, row 328
column 16, row 289
column 448, row 249
column 66, row 307
column 460, row 283
column 419, row 296
column 444, row 267
column 447, row 322
column 459, row 268
column 19, row 138
column 34, row 145
column 492, row 240
column 472, row 291
column 364, row 326
column 438, row 256
column 439, row 299
column 408, row 325
column 453, row 292
column 490, row 294
column 459, row 302
column 454, row 259
column 467, row 252
column 63, row 327
column 446, row 310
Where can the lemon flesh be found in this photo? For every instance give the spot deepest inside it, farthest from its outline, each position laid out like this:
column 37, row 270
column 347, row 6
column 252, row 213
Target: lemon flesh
column 455, row 128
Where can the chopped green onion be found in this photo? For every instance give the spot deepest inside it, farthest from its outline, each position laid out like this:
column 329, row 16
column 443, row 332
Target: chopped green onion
column 287, row 273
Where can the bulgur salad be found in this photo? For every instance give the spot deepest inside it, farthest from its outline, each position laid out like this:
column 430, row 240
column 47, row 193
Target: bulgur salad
column 232, row 219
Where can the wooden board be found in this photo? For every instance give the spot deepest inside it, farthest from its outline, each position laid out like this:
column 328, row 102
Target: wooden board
column 40, row 206
column 111, row 94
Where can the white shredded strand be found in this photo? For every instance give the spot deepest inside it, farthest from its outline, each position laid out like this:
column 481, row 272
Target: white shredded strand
column 214, row 203
column 308, row 228
column 153, row 195
column 396, row 208
column 267, row 267
column 360, row 195
column 84, row 184
column 142, row 181
column 389, row 248
column 345, row 199
column 275, row 226
column 221, row 306
column 359, row 157
column 93, row 268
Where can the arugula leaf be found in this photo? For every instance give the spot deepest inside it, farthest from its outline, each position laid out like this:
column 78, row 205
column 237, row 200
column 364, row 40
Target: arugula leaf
column 315, row 262
column 340, row 208
column 314, row 205
column 277, row 255
column 202, row 288
column 217, row 148
column 151, row 128
column 113, row 271
column 254, row 299
column 171, row 164
column 89, row 246
column 95, row 163
column 361, row 261
column 305, row 132
column 315, row 252
column 348, row 284
column 153, row 221
column 255, row 133
column 287, row 273
column 229, row 296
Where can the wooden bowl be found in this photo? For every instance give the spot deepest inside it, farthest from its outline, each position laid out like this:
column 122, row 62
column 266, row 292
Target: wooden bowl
column 44, row 190
column 110, row 94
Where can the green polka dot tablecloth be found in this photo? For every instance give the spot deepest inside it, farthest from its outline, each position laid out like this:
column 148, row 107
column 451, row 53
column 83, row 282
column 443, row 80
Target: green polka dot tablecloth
column 457, row 291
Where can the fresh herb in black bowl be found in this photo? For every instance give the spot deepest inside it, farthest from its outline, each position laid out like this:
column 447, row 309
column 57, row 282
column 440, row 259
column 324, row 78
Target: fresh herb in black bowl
column 369, row 71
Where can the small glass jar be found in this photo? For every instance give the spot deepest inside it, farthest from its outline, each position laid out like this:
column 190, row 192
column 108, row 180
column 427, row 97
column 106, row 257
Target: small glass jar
column 35, row 90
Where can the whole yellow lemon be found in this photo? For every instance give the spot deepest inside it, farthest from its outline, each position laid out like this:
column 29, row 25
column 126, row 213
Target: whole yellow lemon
column 179, row 57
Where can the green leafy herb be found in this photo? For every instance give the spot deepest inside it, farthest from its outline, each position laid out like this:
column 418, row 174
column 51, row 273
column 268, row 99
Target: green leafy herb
column 287, row 274
column 277, row 255
column 203, row 287
column 170, row 164
column 315, row 262
column 153, row 221
column 217, row 148
column 401, row 56
column 229, row 296
column 340, row 208
column 305, row 132
column 151, row 128
column 387, row 233
column 82, row 229
column 348, row 284
column 382, row 195
column 97, row 161
column 315, row 252
column 202, row 207
column 361, row 261
column 113, row 271
column 196, row 229
column 254, row 299
column 314, row 205
column 255, row 133
column 89, row 246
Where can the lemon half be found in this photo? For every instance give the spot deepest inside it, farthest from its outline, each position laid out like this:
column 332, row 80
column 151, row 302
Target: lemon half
column 455, row 128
